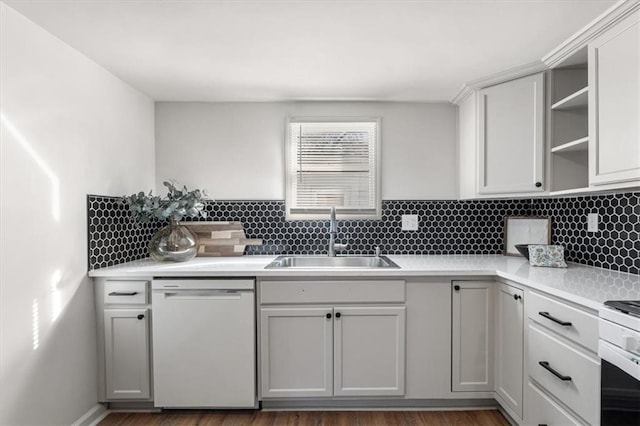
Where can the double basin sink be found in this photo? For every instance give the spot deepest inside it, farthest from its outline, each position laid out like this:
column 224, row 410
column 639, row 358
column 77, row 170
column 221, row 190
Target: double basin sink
column 287, row 262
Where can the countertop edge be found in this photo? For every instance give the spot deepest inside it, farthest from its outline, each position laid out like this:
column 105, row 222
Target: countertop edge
column 517, row 271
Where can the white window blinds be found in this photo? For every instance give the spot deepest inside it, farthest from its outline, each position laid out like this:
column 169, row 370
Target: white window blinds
column 333, row 163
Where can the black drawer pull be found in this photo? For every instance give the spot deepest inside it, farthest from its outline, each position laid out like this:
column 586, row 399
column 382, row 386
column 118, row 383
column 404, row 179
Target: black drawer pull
column 338, row 315
column 456, row 287
column 517, row 297
column 140, row 316
column 123, row 293
column 545, row 365
column 328, row 316
column 556, row 320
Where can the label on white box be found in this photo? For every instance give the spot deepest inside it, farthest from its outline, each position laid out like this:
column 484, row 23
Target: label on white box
column 409, row 222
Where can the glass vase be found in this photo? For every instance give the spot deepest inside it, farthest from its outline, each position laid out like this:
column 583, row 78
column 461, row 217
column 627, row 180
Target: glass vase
column 174, row 243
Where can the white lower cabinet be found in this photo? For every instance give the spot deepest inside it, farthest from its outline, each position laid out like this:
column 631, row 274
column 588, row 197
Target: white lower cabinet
column 542, row 410
column 332, row 351
column 509, row 346
column 488, row 341
column 562, row 363
column 127, row 373
column 472, row 335
column 296, row 352
column 123, row 340
column 567, row 373
column 428, row 353
column 369, row 344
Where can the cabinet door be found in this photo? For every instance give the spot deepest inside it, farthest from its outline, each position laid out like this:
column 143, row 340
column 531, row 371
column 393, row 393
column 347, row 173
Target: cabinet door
column 369, row 351
column 296, row 351
column 614, row 104
column 509, row 346
column 126, row 334
column 511, row 137
column 472, row 335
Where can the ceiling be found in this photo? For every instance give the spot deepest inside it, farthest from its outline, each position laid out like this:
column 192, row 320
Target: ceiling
column 274, row 50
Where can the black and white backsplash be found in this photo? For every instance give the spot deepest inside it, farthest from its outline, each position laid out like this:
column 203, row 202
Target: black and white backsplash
column 114, row 237
column 616, row 245
column 445, row 227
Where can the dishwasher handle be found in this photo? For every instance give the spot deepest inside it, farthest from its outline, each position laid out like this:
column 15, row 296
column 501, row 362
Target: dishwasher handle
column 203, row 294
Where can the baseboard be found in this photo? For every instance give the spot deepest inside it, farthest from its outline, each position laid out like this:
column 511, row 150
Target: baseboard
column 134, row 406
column 93, row 416
column 379, row 404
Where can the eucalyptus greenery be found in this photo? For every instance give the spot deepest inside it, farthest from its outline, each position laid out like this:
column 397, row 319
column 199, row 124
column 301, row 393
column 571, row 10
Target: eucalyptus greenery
column 178, row 203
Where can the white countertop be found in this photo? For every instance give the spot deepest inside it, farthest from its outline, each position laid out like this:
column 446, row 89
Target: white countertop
column 584, row 285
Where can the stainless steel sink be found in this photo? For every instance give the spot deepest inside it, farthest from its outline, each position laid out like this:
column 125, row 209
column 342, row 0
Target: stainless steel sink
column 283, row 262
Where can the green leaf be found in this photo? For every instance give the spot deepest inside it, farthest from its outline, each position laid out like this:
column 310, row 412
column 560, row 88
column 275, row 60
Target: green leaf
column 177, row 203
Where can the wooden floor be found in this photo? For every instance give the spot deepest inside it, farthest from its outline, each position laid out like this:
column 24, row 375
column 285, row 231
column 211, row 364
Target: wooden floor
column 307, row 418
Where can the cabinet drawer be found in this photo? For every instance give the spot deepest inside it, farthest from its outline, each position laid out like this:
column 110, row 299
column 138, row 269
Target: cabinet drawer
column 125, row 293
column 541, row 410
column 574, row 324
column 332, row 291
column 580, row 389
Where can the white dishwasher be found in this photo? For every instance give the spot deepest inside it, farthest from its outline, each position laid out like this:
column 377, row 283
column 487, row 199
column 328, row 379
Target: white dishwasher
column 204, row 343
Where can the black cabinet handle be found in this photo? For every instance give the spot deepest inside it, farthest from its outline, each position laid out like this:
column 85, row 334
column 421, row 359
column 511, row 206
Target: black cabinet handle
column 140, row 316
column 517, row 297
column 328, row 316
column 546, row 366
column 456, row 287
column 542, row 424
column 538, row 184
column 123, row 293
column 338, row 315
column 554, row 319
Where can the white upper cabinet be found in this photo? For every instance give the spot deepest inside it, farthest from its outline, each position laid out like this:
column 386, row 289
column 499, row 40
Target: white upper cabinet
column 614, row 104
column 511, row 137
column 568, row 125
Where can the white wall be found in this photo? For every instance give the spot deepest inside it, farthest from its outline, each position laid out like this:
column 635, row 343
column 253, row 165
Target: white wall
column 68, row 128
column 235, row 150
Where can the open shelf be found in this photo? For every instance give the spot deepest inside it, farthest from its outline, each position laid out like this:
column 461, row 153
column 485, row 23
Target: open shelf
column 569, row 126
column 575, row 100
column 576, row 145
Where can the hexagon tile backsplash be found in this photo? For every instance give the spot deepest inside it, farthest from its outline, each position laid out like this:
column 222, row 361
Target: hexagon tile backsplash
column 616, row 245
column 446, row 227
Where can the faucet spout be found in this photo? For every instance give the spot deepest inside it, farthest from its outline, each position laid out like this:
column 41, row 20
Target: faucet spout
column 334, row 247
column 333, row 226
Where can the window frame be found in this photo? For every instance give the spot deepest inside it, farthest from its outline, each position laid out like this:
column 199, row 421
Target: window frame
column 323, row 213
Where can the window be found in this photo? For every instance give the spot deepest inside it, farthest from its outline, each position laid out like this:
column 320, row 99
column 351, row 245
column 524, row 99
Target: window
column 333, row 162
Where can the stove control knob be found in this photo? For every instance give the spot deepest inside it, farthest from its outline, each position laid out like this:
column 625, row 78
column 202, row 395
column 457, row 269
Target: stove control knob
column 630, row 343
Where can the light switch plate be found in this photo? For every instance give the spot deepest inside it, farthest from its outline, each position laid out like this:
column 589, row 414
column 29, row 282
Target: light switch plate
column 409, row 222
column 592, row 222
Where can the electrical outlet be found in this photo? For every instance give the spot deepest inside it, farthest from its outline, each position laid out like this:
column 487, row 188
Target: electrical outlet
column 592, row 222
column 409, row 222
